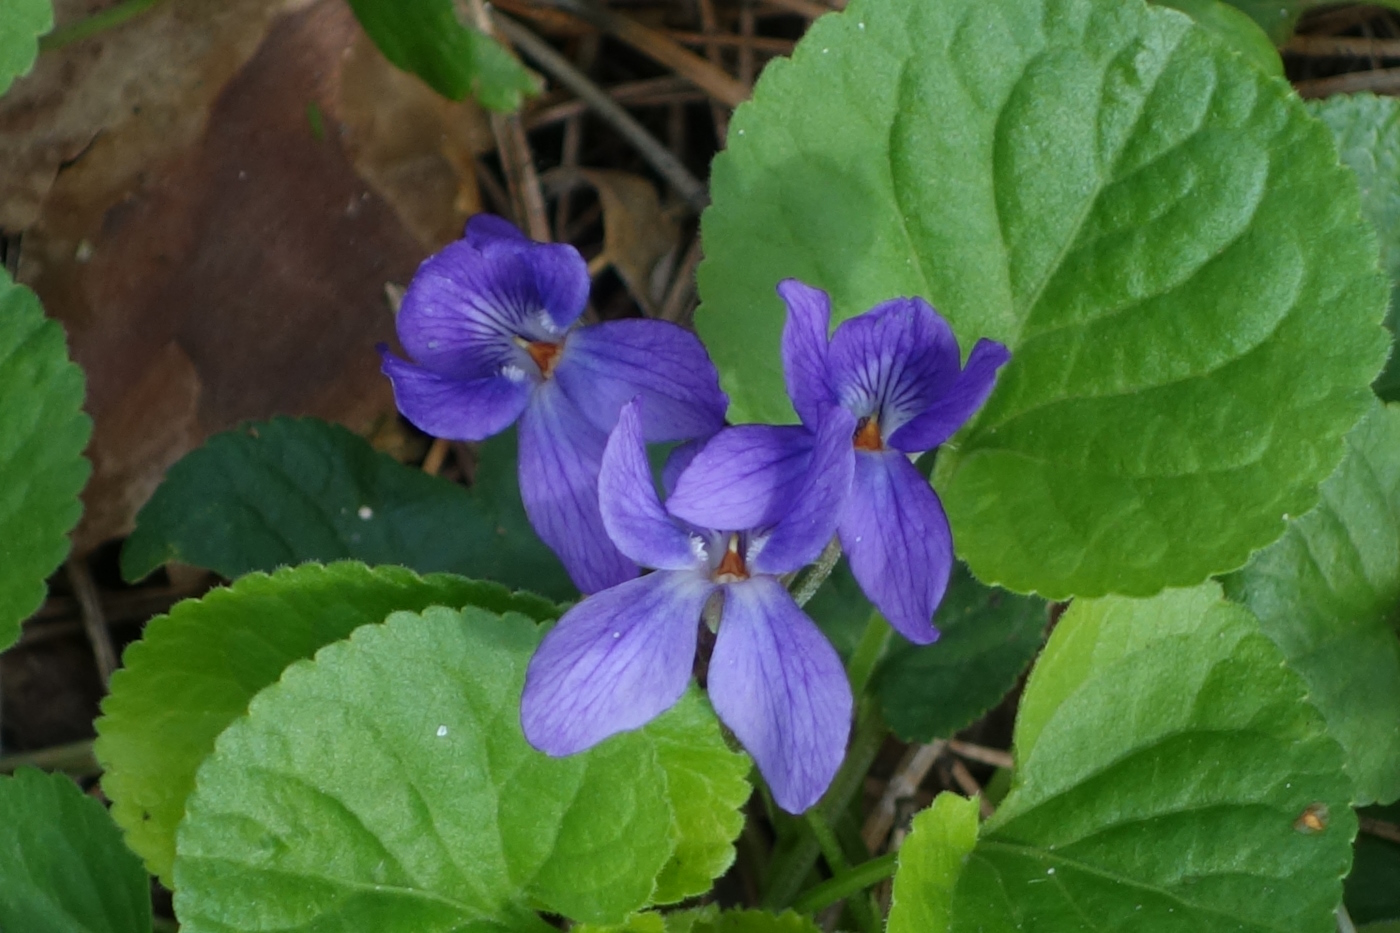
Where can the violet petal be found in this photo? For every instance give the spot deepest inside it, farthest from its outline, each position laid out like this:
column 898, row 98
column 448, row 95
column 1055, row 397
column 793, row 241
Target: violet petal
column 483, row 229
column 457, row 409
column 468, row 303
column 898, row 542
column 606, row 365
column 942, row 419
column 893, row 361
column 805, row 341
column 778, row 684
column 614, row 662
column 632, row 513
column 812, row 514
column 746, row 476
column 676, row 463
column 560, row 455
column 562, row 291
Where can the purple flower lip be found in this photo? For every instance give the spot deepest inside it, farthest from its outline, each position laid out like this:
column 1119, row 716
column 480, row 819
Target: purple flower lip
column 622, row 657
column 897, row 369
column 490, row 322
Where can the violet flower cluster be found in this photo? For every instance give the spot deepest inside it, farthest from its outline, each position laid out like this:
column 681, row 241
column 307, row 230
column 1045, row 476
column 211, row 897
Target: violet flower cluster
column 492, row 324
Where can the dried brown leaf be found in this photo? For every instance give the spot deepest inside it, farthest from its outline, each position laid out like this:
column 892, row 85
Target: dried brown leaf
column 638, row 233
column 162, row 69
column 237, row 277
column 416, row 148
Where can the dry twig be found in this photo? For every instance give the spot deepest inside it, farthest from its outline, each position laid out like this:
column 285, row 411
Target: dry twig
column 987, row 756
column 661, row 48
column 1386, row 80
column 679, row 302
column 94, row 621
column 657, row 155
column 768, row 44
column 808, row 8
column 432, row 463
column 668, row 89
column 746, row 29
column 517, row 161
column 917, row 761
column 1343, row 46
column 75, row 758
column 709, row 30
column 969, row 786
column 1380, row 829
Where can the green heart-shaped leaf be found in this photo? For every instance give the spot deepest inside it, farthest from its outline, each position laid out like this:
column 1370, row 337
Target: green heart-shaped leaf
column 195, row 670
column 22, row 22
column 1367, row 129
column 930, row 863
column 426, row 38
column 1327, row 593
column 287, row 491
column 1170, row 776
column 1160, row 233
column 42, row 434
column 387, row 786
column 63, row 868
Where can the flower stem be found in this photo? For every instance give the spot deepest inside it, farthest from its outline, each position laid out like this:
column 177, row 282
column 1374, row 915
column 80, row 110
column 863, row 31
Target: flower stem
column 806, row 587
column 792, row 867
column 826, row 839
column 845, row 884
column 861, row 907
column 868, row 652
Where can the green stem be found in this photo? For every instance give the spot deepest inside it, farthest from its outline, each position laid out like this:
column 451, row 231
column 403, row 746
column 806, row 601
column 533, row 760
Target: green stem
column 860, row 907
column 85, row 28
column 793, row 866
column 827, row 841
column 75, row 758
column 845, row 884
column 868, row 652
column 804, row 589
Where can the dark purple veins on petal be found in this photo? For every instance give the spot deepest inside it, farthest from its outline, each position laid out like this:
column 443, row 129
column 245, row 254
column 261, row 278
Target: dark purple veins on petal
column 613, row 662
column 560, row 457
column 778, row 684
column 632, row 513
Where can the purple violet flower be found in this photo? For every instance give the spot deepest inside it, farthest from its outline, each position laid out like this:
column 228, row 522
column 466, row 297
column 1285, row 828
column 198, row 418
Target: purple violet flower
column 622, row 657
column 896, row 369
column 490, row 321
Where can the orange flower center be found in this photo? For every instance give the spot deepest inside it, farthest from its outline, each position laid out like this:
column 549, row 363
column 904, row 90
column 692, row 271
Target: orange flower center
column 544, row 354
column 731, row 568
column 867, row 436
